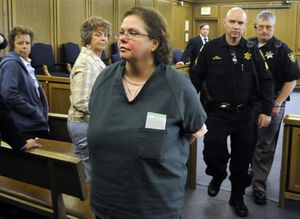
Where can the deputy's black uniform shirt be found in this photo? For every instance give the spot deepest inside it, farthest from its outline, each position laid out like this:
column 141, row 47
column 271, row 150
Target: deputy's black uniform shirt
column 281, row 60
column 230, row 76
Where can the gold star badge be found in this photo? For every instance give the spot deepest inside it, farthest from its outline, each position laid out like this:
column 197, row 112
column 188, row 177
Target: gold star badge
column 247, row 55
column 292, row 57
column 216, row 58
column 269, row 55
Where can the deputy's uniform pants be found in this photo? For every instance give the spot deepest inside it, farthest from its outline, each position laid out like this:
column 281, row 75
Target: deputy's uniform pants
column 241, row 127
column 264, row 151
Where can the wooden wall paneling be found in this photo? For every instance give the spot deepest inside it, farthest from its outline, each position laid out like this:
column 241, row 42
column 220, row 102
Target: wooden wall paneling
column 4, row 22
column 122, row 6
column 294, row 177
column 37, row 15
column 69, row 16
column 105, row 9
column 175, row 26
column 211, row 19
column 165, row 8
column 59, row 100
column 214, row 11
column 298, row 31
column 286, row 20
column 186, row 15
column 146, row 3
column 251, row 18
column 2, row 16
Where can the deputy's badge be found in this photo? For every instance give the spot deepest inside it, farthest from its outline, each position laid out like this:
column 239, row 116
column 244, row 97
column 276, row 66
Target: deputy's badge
column 247, row 55
column 269, row 55
column 216, row 58
column 292, row 57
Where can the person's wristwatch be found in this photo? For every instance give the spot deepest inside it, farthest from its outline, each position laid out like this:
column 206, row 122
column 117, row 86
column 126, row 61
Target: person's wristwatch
column 277, row 104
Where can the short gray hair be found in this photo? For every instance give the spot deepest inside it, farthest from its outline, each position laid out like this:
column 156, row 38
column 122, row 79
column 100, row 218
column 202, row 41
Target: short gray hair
column 90, row 25
column 266, row 16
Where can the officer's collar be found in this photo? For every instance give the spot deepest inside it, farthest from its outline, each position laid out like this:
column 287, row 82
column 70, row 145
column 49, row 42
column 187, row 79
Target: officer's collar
column 270, row 43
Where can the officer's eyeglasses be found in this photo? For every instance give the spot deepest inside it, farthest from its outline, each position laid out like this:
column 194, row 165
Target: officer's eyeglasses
column 261, row 27
column 234, row 58
column 132, row 35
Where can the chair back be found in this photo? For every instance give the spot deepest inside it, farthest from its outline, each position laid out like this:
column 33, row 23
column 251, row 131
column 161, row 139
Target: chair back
column 104, row 59
column 114, row 48
column 42, row 54
column 69, row 52
column 115, row 57
column 177, row 54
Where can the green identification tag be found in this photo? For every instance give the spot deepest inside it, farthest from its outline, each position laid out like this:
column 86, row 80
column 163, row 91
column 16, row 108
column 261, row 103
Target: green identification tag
column 156, row 121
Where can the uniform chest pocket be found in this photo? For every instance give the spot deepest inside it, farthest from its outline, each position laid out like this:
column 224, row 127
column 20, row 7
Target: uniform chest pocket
column 246, row 75
column 152, row 144
column 218, row 70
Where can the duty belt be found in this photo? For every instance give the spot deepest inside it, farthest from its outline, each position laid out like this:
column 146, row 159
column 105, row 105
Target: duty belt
column 229, row 107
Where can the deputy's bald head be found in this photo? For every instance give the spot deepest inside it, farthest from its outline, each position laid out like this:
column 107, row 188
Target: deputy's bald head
column 237, row 11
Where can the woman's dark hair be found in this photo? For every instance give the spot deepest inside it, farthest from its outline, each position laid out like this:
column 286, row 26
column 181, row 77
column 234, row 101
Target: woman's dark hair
column 19, row 30
column 156, row 27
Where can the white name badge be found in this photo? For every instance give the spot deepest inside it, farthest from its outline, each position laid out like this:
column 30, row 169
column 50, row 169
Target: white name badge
column 156, row 121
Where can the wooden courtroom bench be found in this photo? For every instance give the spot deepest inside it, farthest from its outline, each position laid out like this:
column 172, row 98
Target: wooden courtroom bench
column 48, row 181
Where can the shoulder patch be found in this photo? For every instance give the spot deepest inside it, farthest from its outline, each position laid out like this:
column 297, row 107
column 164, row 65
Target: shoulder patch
column 249, row 44
column 278, row 44
column 292, row 57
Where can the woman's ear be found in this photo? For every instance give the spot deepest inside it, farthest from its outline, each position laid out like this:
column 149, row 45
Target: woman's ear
column 155, row 44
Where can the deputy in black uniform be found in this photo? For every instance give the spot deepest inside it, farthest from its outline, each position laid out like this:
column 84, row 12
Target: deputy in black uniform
column 284, row 68
column 234, row 73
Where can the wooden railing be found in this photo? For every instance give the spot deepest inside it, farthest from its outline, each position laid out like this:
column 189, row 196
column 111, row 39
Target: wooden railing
column 48, row 181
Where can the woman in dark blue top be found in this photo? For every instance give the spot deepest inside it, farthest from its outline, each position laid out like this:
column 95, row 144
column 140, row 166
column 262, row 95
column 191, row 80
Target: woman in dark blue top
column 20, row 88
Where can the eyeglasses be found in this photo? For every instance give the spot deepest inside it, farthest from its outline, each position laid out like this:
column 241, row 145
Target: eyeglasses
column 132, row 35
column 261, row 27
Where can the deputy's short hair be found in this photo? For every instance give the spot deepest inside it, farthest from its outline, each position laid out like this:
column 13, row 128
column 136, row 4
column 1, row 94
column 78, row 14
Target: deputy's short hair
column 266, row 16
column 202, row 25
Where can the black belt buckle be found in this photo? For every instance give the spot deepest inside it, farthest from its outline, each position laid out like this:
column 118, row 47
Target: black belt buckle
column 229, row 107
column 224, row 105
column 239, row 107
